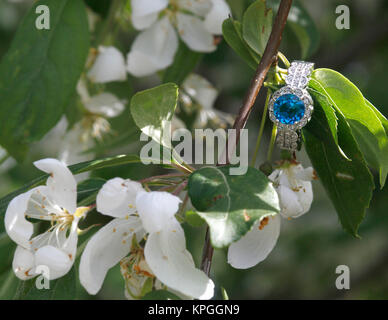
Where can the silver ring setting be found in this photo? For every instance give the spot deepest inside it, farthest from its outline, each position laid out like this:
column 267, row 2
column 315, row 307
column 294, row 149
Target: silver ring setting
column 291, row 107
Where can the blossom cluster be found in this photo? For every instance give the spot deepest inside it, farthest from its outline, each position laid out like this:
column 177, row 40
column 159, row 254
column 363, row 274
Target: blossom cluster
column 161, row 23
column 144, row 236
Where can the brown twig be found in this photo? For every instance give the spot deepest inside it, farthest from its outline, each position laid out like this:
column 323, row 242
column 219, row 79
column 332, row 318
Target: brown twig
column 180, row 188
column 269, row 57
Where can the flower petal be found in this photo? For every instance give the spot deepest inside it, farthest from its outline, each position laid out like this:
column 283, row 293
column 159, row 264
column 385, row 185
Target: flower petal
column 40, row 206
column 200, row 90
column 292, row 182
column 166, row 255
column 144, row 22
column 69, row 243
column 62, row 185
column 23, row 263
column 105, row 104
column 218, row 13
column 198, row 7
column 105, row 249
column 193, row 32
column 153, row 49
column 82, row 91
column 18, row 228
column 304, row 174
column 60, row 238
column 295, row 202
column 146, row 7
column 58, row 261
column 156, row 208
column 117, row 197
column 256, row 245
column 109, row 66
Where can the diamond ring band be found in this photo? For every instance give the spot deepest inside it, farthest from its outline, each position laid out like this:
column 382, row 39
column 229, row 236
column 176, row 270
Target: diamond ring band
column 291, row 107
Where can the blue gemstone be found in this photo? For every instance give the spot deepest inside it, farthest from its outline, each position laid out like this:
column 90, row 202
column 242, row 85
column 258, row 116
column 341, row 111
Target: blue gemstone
column 288, row 109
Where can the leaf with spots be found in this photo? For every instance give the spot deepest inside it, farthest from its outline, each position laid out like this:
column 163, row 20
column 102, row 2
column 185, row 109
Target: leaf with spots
column 302, row 25
column 348, row 182
column 230, row 204
column 257, row 26
column 232, row 32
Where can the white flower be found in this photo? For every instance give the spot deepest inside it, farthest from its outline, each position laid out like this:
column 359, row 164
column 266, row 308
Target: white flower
column 55, row 202
column 74, row 143
column 293, row 185
column 77, row 140
column 204, row 94
column 80, row 138
column 108, row 66
column 104, row 104
column 196, row 21
column 165, row 248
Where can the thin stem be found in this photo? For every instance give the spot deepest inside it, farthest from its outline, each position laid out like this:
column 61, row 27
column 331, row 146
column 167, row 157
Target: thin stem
column 261, row 130
column 269, row 57
column 284, row 59
column 162, row 176
column 184, row 204
column 180, row 188
column 272, row 143
column 180, row 164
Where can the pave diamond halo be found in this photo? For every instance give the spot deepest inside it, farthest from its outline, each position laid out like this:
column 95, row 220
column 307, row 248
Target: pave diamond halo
column 291, row 107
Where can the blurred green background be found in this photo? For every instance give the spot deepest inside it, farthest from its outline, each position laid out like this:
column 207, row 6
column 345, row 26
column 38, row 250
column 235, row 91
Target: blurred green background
column 302, row 265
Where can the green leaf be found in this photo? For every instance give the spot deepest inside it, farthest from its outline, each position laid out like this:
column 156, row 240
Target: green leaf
column 366, row 125
column 231, row 203
column 225, row 295
column 232, row 32
column 6, row 246
column 147, row 287
column 193, row 219
column 379, row 115
column 303, row 26
column 257, row 26
column 8, row 284
column 152, row 109
column 349, row 184
column 39, row 73
column 160, row 295
column 61, row 289
column 75, row 169
column 184, row 63
column 323, row 122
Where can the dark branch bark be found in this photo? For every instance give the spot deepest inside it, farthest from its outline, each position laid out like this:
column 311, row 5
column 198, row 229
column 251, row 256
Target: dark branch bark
column 269, row 57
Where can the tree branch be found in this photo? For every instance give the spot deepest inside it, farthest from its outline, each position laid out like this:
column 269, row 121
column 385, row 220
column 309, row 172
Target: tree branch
column 269, row 57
